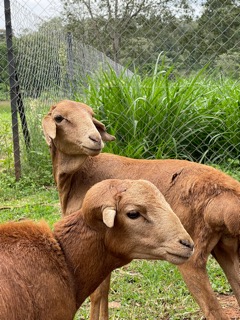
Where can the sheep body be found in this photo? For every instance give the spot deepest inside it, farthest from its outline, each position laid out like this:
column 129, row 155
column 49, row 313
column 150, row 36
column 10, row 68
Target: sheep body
column 205, row 199
column 47, row 275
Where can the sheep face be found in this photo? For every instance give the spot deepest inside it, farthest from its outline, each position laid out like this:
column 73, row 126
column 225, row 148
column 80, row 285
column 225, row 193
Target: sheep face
column 138, row 222
column 73, row 129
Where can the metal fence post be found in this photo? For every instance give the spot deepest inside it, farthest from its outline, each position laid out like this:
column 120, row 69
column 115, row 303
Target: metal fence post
column 70, row 62
column 13, row 89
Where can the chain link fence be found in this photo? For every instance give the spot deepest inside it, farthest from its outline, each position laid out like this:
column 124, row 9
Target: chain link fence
column 53, row 47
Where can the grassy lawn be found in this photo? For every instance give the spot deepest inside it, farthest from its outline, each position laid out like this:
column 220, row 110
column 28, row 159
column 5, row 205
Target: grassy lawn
column 141, row 290
column 4, row 106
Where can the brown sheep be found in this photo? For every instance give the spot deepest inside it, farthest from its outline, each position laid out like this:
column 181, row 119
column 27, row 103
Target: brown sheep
column 206, row 200
column 47, row 275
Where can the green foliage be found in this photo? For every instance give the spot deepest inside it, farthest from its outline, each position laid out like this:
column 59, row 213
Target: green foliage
column 4, row 91
column 228, row 64
column 167, row 116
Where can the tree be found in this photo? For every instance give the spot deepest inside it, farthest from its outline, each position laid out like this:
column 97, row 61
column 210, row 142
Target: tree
column 218, row 29
column 103, row 23
column 115, row 26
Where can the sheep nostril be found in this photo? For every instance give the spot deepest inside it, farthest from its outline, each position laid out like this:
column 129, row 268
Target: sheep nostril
column 186, row 243
column 95, row 139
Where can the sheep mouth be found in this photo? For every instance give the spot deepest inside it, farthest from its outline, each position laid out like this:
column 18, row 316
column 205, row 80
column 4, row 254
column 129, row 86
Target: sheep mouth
column 168, row 256
column 177, row 258
column 95, row 150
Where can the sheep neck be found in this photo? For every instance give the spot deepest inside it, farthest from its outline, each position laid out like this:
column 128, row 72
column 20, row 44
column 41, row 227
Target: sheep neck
column 64, row 167
column 85, row 253
column 65, row 164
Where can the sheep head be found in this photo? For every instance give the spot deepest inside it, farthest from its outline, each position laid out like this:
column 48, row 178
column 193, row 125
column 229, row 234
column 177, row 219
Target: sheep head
column 72, row 128
column 136, row 221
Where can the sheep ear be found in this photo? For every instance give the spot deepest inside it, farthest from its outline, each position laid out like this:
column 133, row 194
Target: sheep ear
column 102, row 130
column 49, row 129
column 109, row 215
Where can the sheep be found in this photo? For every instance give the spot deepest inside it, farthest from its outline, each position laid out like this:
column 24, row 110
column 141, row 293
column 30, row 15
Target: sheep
column 48, row 275
column 206, row 200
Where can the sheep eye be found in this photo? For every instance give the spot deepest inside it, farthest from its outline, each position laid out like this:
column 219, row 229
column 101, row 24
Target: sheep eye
column 133, row 214
column 58, row 119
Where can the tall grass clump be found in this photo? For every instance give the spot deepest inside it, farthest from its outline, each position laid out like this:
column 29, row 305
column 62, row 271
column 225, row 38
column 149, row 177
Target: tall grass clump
column 162, row 116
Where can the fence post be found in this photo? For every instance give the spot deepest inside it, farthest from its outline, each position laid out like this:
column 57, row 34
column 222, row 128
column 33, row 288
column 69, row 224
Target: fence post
column 13, row 89
column 70, row 63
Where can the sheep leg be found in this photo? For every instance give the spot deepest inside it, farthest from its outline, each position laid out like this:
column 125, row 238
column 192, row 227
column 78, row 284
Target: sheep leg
column 226, row 254
column 104, row 299
column 99, row 301
column 197, row 281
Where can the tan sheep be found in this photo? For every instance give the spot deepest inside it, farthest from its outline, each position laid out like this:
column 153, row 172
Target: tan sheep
column 47, row 275
column 206, row 200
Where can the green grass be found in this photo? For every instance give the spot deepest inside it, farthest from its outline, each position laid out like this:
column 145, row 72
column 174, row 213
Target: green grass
column 4, row 106
column 154, row 290
column 29, row 203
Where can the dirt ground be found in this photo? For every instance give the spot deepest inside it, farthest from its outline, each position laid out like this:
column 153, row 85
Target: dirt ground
column 230, row 306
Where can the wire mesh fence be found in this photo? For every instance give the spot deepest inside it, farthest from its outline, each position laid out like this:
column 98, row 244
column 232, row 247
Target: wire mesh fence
column 60, row 47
